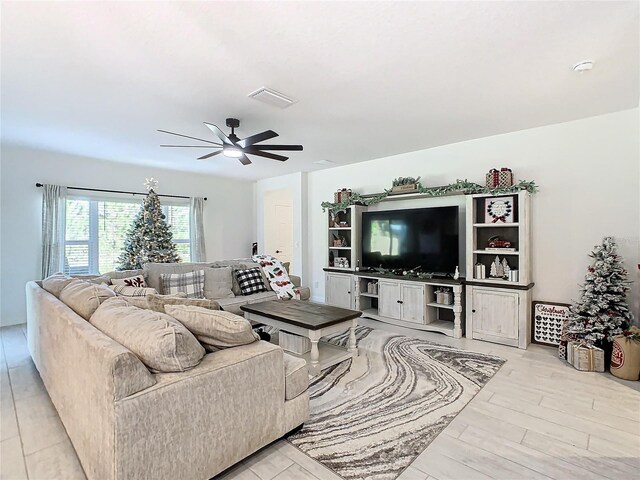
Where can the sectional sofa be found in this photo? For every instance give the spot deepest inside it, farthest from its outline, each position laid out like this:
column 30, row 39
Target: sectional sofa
column 126, row 422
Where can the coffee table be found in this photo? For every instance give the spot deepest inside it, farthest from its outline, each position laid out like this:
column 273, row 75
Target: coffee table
column 311, row 320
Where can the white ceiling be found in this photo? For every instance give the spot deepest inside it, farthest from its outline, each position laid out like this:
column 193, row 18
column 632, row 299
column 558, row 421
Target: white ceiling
column 372, row 79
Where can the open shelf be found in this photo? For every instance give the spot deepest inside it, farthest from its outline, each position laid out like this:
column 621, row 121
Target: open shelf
column 495, row 281
column 339, row 248
column 496, row 252
column 494, row 225
column 370, row 295
column 440, row 305
column 339, row 228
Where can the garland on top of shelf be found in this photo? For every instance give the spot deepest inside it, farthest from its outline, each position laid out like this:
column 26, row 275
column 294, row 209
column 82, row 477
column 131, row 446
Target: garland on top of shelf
column 462, row 186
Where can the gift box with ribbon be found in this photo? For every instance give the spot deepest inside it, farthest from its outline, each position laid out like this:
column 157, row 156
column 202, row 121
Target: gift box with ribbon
column 585, row 356
column 341, row 195
column 499, row 178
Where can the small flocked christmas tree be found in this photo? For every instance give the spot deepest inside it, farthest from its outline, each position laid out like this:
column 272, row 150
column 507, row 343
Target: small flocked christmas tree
column 602, row 311
column 149, row 238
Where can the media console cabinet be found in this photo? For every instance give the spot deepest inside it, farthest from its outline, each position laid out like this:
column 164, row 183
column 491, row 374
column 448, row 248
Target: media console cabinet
column 495, row 309
column 404, row 301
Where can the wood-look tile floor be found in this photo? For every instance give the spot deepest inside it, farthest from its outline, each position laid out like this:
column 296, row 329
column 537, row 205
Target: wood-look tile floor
column 537, row 418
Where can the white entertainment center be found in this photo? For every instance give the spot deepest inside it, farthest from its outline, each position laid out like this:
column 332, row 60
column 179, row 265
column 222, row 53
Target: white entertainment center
column 490, row 309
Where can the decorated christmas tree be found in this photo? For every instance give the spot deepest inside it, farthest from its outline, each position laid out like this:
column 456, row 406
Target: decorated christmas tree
column 149, row 239
column 602, row 311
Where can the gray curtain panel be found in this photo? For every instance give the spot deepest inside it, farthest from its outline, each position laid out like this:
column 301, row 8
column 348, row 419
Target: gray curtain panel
column 53, row 228
column 196, row 224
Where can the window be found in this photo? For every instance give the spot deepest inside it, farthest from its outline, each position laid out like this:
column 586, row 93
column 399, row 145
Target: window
column 96, row 231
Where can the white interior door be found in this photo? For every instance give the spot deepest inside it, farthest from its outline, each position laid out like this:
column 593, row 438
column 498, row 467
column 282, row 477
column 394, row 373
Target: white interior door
column 278, row 225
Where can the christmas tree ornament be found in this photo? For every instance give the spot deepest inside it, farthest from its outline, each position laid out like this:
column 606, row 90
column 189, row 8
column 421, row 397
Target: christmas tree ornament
column 493, row 272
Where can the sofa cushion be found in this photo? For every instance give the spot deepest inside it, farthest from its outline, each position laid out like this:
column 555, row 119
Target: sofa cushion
column 162, row 343
column 117, row 274
column 237, row 264
column 233, row 304
column 152, row 271
column 191, row 283
column 104, row 279
column 250, row 281
column 157, row 303
column 55, row 283
column 218, row 282
column 214, row 328
column 133, row 281
column 305, row 293
column 85, row 297
column 128, row 291
column 261, row 297
column 143, row 302
column 296, row 376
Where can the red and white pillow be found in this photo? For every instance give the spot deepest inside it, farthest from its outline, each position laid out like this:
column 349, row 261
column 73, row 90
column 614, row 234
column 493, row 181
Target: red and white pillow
column 277, row 276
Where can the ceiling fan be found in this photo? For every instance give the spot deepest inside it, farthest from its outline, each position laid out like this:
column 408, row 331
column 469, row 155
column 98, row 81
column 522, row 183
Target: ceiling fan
column 234, row 147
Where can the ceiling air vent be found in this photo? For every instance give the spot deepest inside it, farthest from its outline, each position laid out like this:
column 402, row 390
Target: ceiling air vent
column 271, row 97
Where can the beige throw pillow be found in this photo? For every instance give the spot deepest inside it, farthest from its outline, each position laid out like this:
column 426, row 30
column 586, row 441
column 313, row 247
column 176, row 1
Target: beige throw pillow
column 143, row 302
column 127, row 291
column 214, row 328
column 84, row 297
column 55, row 283
column 161, row 342
column 218, row 282
column 157, row 303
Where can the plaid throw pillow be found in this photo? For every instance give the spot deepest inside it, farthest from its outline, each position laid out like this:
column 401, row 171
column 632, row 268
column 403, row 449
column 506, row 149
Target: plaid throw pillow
column 191, row 283
column 250, row 281
column 127, row 291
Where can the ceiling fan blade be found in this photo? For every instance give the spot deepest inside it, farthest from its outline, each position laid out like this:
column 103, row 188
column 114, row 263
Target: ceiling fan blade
column 258, row 137
column 209, row 155
column 244, row 160
column 272, row 156
column 219, row 133
column 187, row 136
column 189, row 146
column 278, row 147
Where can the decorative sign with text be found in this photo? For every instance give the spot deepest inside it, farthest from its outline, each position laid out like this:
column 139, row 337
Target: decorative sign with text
column 546, row 322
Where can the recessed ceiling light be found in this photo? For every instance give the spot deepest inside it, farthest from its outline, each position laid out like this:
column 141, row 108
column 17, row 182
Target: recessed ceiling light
column 581, row 67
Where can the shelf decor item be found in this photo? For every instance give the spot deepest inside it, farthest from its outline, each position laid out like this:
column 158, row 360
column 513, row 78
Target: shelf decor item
column 548, row 319
column 585, row 356
column 499, row 210
column 480, row 271
column 342, row 195
column 505, row 178
column 496, row 243
column 625, row 357
column 405, row 184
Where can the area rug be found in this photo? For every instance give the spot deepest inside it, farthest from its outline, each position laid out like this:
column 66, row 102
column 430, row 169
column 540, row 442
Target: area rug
column 372, row 416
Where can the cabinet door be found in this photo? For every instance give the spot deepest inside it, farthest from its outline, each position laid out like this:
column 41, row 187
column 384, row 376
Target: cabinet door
column 389, row 299
column 495, row 315
column 413, row 303
column 338, row 290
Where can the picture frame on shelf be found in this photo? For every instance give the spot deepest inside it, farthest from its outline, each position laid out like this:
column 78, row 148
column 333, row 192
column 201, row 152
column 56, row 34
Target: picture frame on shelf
column 499, row 209
column 547, row 319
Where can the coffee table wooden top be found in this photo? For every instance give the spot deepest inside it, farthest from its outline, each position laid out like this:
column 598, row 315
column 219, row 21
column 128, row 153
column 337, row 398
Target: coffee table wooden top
column 313, row 316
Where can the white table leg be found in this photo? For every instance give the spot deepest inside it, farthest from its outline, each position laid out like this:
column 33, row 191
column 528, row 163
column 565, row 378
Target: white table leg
column 352, row 338
column 314, row 336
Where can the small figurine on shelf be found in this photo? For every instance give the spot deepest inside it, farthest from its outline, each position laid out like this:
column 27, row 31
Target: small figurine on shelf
column 505, row 268
column 456, row 274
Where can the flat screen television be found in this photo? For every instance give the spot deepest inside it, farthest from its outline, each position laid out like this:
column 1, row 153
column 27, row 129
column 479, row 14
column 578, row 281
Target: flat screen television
column 405, row 239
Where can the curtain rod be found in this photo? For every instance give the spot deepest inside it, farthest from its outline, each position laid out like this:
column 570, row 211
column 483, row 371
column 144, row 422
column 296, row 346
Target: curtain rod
column 118, row 191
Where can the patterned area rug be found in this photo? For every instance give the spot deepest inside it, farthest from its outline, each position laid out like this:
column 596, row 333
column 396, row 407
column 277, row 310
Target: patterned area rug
column 371, row 417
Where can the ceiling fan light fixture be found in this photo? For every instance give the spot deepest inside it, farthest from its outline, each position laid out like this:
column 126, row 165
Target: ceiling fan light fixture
column 233, row 152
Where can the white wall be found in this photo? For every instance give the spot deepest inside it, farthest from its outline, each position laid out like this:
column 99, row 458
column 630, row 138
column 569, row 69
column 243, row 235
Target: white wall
column 588, row 173
column 229, row 220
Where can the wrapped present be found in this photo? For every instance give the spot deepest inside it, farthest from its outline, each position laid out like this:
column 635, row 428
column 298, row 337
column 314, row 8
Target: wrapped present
column 493, row 178
column 505, row 177
column 341, row 195
column 585, row 356
column 565, row 338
